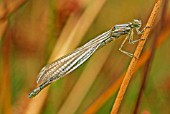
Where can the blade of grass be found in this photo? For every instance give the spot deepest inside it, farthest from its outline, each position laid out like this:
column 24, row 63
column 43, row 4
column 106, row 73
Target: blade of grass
column 3, row 26
column 5, row 96
column 6, row 9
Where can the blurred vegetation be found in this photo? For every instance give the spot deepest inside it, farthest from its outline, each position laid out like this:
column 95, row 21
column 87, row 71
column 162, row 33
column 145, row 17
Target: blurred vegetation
column 36, row 32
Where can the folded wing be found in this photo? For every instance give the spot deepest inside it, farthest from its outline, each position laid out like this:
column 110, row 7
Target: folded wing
column 70, row 62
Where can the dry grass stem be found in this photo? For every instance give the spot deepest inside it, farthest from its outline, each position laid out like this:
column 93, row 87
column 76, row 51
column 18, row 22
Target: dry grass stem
column 134, row 60
column 148, row 65
column 5, row 97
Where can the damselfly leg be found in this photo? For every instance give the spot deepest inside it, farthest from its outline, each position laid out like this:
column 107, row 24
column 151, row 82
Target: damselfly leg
column 121, row 46
column 130, row 39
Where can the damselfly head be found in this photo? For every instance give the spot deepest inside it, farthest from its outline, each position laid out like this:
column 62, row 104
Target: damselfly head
column 136, row 23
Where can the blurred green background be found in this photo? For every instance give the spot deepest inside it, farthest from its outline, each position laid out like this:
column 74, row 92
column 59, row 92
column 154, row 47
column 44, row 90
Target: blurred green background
column 36, row 32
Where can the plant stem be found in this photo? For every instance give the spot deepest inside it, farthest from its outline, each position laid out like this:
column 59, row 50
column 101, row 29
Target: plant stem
column 134, row 60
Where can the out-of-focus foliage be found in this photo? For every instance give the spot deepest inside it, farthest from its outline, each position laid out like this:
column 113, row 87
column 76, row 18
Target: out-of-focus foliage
column 30, row 33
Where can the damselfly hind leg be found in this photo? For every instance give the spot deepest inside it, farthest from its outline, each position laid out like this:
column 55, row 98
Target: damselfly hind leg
column 125, row 52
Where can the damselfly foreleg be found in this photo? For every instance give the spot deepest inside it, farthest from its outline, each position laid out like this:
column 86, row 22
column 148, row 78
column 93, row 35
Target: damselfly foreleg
column 131, row 40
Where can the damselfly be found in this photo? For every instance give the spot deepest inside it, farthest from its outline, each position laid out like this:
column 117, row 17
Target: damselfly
column 70, row 62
